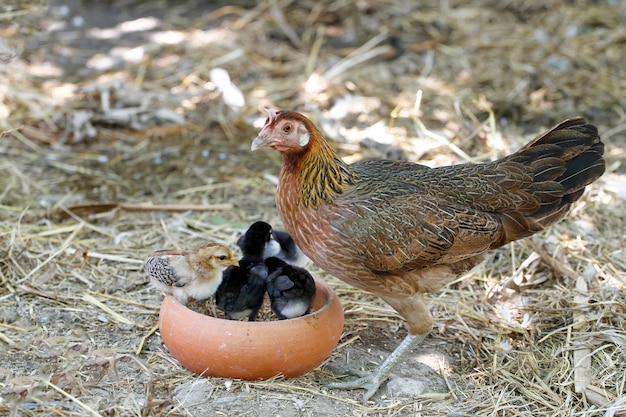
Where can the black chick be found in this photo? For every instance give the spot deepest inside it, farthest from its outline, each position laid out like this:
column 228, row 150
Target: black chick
column 291, row 289
column 284, row 247
column 243, row 287
column 278, row 243
column 254, row 242
column 242, row 290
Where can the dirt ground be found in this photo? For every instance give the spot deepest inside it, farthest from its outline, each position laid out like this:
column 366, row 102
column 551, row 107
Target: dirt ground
column 117, row 139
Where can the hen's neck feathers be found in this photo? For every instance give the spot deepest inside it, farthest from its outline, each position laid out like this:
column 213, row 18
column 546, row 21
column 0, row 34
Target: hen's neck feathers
column 318, row 172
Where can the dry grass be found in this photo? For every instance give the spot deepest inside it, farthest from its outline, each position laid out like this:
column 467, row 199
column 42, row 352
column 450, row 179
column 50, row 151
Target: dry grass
column 109, row 153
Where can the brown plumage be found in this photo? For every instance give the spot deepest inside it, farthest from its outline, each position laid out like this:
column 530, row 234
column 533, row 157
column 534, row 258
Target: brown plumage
column 189, row 274
column 400, row 229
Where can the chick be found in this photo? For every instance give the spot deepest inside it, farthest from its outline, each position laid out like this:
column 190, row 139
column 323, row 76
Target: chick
column 291, row 289
column 254, row 242
column 242, row 291
column 278, row 243
column 243, row 287
column 189, row 275
column 284, row 247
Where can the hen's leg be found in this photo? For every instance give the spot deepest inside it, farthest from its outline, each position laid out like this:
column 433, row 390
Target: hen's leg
column 420, row 321
column 374, row 380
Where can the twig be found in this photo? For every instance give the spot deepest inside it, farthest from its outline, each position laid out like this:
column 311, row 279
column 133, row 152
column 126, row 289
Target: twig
column 582, row 358
column 30, row 289
column 59, row 251
column 144, row 338
column 107, row 257
column 85, row 209
column 347, row 342
column 280, row 20
column 319, row 393
column 7, row 339
column 10, row 327
column 315, row 50
column 361, row 54
column 420, row 126
column 116, row 316
column 74, row 399
column 122, row 300
column 562, row 268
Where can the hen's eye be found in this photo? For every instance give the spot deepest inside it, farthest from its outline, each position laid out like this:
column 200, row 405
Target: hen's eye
column 287, row 128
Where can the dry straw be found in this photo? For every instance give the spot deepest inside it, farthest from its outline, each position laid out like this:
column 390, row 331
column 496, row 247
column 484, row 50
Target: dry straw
column 537, row 330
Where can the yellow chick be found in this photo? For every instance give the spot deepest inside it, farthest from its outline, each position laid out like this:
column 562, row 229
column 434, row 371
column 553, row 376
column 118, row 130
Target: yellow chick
column 189, row 274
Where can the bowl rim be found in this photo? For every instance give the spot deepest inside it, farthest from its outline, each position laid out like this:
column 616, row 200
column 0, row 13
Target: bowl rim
column 320, row 285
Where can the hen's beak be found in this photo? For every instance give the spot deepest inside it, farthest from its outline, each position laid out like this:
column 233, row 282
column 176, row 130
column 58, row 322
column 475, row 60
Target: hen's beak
column 259, row 142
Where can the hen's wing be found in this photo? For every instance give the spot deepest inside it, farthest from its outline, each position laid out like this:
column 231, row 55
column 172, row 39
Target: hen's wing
column 403, row 216
column 392, row 232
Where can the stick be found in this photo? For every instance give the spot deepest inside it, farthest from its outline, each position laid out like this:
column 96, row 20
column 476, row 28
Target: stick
column 144, row 338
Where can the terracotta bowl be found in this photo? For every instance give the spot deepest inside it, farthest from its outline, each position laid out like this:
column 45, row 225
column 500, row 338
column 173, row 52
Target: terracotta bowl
column 253, row 350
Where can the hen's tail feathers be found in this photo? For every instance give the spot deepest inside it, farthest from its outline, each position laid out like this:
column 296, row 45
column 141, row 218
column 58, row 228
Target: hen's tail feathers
column 564, row 160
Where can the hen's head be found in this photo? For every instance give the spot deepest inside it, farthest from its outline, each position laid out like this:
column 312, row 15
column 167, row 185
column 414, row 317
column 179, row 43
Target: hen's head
column 310, row 165
column 285, row 131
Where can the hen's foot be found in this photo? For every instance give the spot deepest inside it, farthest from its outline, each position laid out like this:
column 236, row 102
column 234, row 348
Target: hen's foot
column 367, row 381
column 370, row 382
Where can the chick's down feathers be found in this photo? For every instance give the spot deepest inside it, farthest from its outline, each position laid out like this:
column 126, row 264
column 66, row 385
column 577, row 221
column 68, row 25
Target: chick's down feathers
column 189, row 274
column 242, row 291
column 291, row 289
column 278, row 243
column 243, row 287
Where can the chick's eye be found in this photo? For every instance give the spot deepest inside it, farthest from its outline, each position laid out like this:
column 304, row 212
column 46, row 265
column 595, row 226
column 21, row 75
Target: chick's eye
column 287, row 128
column 222, row 258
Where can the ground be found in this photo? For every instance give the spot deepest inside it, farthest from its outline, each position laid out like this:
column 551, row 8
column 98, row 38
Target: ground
column 118, row 138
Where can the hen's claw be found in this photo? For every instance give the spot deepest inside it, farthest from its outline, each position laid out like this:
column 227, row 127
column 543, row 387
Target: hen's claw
column 370, row 382
column 352, row 372
column 367, row 381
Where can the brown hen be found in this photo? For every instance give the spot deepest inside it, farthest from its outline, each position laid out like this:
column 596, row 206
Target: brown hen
column 399, row 229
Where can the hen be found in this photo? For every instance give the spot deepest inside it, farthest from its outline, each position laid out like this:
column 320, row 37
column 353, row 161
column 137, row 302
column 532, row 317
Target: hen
column 291, row 289
column 399, row 229
column 191, row 274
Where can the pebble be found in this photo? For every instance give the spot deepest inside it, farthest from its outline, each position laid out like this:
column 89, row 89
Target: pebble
column 405, row 387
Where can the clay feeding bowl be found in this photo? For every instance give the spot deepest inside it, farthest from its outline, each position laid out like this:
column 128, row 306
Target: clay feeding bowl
column 256, row 350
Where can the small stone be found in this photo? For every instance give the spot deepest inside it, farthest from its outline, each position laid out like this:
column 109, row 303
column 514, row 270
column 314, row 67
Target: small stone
column 559, row 63
column 193, row 392
column 405, row 387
